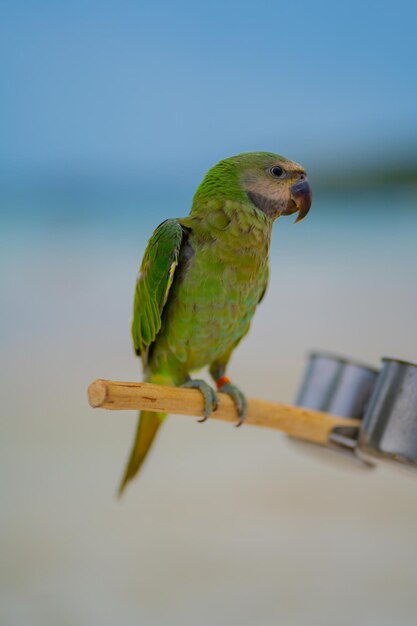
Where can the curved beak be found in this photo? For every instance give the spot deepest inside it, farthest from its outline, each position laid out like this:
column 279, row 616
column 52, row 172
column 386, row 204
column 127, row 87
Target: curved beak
column 301, row 196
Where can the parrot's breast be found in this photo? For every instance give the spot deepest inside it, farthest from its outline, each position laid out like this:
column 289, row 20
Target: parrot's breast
column 210, row 307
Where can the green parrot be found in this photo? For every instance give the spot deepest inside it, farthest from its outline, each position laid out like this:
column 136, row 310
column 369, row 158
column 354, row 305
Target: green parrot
column 203, row 276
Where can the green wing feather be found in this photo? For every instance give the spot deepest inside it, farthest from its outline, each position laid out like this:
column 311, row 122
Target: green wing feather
column 154, row 282
column 152, row 289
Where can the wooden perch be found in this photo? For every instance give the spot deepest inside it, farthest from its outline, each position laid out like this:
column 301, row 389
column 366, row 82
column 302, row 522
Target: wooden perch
column 299, row 422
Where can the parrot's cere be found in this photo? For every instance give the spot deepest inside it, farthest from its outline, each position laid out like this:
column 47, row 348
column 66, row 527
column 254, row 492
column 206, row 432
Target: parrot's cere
column 203, row 276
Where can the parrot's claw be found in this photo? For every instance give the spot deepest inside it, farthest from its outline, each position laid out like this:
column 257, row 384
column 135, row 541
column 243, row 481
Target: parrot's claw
column 238, row 398
column 210, row 397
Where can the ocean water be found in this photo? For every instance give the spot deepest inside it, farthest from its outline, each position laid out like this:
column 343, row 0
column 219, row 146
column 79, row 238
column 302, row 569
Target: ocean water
column 223, row 526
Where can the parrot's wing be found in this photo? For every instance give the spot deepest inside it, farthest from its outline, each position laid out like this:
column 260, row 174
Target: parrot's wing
column 154, row 282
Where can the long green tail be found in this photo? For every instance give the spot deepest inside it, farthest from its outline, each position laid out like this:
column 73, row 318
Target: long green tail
column 147, row 428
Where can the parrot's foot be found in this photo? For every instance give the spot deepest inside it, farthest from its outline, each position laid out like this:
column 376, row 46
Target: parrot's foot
column 210, row 397
column 225, row 386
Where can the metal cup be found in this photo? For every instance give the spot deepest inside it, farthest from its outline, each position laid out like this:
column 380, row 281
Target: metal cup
column 337, row 385
column 340, row 386
column 389, row 427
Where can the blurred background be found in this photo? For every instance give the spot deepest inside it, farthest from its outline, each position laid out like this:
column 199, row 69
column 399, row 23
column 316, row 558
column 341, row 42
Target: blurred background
column 110, row 113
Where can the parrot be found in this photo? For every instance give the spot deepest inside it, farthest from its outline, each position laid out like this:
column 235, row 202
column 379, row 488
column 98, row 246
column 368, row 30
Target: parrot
column 202, row 277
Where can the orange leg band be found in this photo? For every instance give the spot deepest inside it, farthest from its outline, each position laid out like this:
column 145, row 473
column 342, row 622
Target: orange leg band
column 223, row 380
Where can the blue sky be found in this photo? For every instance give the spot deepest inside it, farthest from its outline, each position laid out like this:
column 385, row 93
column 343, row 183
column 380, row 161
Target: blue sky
column 130, row 85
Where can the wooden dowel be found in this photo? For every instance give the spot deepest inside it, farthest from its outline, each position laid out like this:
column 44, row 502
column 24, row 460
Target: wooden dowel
column 296, row 421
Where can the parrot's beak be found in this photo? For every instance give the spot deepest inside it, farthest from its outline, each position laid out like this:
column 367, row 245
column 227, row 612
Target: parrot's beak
column 301, row 196
column 300, row 199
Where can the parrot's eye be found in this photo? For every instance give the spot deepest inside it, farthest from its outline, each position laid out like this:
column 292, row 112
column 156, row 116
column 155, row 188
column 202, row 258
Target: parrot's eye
column 277, row 171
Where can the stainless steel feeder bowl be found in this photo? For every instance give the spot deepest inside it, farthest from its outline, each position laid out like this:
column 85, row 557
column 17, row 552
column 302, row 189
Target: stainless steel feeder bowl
column 337, row 385
column 389, row 427
column 341, row 386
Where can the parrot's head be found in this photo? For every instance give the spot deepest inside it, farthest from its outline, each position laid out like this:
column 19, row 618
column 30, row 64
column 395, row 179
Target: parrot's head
column 274, row 184
column 270, row 182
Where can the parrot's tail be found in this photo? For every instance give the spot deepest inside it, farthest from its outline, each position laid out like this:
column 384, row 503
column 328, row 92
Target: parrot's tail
column 147, row 428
